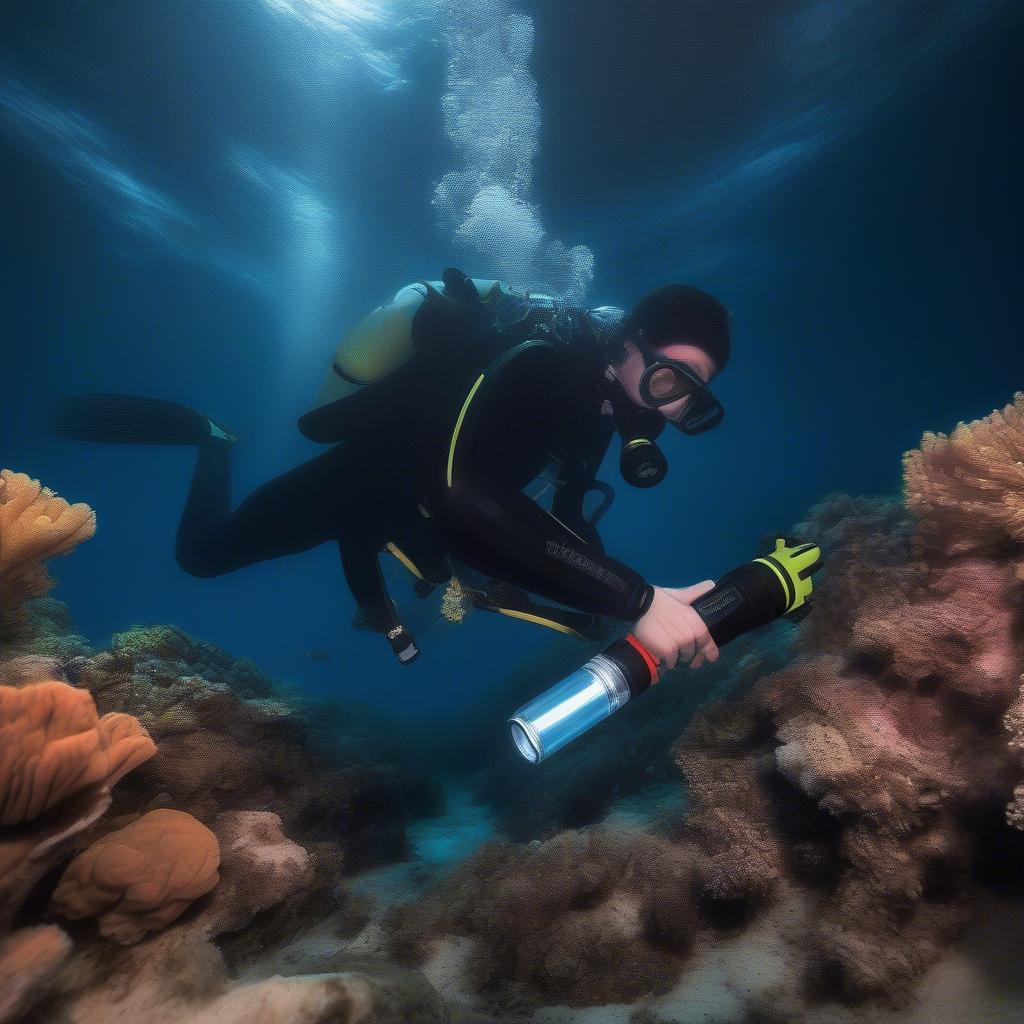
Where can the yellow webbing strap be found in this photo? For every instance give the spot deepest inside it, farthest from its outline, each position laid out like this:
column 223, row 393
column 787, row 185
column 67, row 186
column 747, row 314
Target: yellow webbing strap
column 539, row 620
column 395, row 550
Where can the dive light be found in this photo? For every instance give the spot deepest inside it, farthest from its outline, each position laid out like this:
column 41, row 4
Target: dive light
column 759, row 592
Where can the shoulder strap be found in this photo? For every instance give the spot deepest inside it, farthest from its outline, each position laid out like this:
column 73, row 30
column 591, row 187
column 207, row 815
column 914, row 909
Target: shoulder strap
column 526, row 356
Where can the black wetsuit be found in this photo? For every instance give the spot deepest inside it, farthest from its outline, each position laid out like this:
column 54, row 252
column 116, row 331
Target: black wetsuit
column 396, row 475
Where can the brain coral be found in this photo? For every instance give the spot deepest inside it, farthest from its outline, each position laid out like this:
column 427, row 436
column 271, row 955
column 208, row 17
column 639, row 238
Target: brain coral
column 35, row 525
column 141, row 877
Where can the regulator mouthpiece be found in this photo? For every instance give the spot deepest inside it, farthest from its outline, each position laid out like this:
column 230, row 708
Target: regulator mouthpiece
column 776, row 585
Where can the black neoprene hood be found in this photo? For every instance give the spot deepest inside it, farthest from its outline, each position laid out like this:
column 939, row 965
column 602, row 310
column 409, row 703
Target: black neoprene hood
column 680, row 312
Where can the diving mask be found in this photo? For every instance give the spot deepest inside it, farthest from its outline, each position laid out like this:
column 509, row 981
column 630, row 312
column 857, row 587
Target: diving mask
column 665, row 381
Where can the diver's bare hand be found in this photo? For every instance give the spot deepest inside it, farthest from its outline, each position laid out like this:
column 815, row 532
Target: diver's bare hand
column 671, row 630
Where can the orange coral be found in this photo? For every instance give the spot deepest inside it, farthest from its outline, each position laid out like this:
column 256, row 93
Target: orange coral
column 52, row 744
column 967, row 489
column 35, row 524
column 58, row 762
column 141, row 877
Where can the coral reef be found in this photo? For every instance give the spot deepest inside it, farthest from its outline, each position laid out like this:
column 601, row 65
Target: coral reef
column 848, row 801
column 967, row 488
column 1013, row 722
column 58, row 763
column 862, row 785
column 229, row 740
column 140, row 878
column 35, row 525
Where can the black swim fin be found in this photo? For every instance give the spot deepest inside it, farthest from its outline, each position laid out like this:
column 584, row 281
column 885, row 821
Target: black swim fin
column 128, row 419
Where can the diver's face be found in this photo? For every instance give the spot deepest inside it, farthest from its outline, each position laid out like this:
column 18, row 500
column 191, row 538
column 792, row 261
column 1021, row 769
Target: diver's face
column 630, row 370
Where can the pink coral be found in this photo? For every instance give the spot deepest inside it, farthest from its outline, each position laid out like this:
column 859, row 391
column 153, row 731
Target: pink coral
column 967, row 488
column 957, row 631
column 260, row 868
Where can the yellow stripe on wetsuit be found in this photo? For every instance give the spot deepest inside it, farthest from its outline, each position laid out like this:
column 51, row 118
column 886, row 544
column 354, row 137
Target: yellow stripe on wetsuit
column 458, row 425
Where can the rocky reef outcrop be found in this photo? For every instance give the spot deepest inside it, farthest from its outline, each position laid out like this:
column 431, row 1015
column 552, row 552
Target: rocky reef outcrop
column 254, row 805
column 848, row 802
column 865, row 780
column 229, row 739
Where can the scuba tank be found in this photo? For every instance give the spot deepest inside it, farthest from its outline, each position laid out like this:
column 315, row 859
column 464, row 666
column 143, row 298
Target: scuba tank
column 759, row 592
column 387, row 336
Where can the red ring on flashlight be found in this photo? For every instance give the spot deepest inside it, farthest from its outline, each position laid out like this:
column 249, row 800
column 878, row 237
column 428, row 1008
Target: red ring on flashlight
column 652, row 665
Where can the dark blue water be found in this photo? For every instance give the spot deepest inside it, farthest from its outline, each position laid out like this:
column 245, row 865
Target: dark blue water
column 199, row 199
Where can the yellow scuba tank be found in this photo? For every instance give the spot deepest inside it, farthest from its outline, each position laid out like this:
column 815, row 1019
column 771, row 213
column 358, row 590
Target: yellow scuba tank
column 383, row 340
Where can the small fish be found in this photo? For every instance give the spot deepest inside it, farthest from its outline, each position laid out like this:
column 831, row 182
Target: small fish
column 318, row 656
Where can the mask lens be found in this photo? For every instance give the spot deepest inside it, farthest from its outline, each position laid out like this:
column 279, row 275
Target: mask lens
column 665, row 384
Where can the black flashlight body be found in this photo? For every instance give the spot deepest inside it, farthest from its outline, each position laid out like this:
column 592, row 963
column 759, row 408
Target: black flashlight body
column 743, row 599
column 746, row 598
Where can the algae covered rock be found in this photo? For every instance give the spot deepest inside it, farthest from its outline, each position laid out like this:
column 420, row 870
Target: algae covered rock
column 29, row 961
column 584, row 918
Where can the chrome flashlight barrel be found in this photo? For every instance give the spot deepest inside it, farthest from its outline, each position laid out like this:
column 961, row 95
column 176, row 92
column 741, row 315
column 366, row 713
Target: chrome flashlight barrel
column 569, row 708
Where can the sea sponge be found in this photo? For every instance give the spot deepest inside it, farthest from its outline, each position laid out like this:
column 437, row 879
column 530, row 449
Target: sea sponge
column 456, row 601
column 58, row 762
column 967, row 488
column 35, row 525
column 260, row 868
column 141, row 877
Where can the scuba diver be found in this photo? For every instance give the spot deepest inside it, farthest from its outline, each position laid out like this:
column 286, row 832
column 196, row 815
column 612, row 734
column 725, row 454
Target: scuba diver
column 441, row 407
